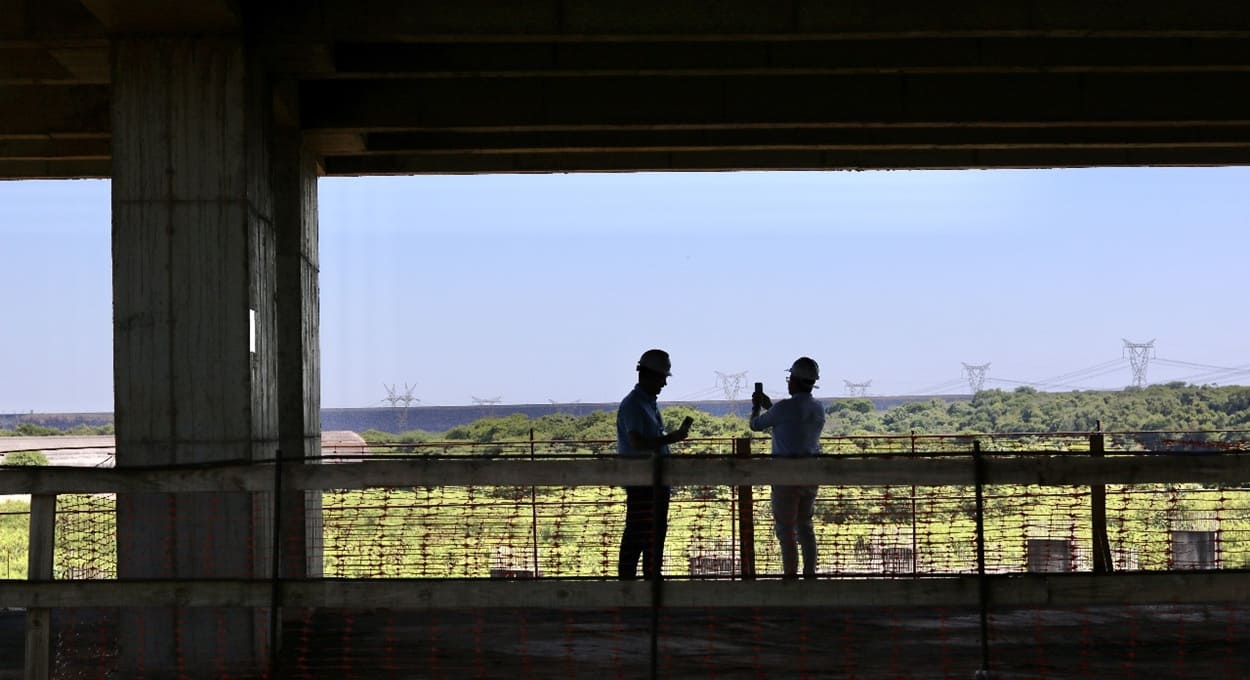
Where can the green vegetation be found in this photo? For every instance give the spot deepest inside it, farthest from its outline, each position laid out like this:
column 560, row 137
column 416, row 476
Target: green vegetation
column 458, row 532
column 466, row 531
column 1173, row 407
column 25, row 458
column 14, row 520
column 36, row 430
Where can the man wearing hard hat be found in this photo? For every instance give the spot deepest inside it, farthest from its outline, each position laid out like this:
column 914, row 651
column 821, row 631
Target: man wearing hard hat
column 797, row 423
column 640, row 433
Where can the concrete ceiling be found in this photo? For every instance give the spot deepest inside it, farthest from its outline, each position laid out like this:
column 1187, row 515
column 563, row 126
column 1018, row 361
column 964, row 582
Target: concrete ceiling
column 400, row 87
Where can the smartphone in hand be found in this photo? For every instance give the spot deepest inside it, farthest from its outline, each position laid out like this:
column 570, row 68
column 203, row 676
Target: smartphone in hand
column 685, row 424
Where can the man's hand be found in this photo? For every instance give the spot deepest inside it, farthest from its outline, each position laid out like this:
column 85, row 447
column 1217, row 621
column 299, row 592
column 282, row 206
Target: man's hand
column 684, row 431
column 759, row 399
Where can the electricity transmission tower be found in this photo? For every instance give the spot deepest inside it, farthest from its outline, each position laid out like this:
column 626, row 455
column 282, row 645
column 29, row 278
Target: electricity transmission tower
column 395, row 398
column 490, row 401
column 859, row 389
column 976, row 375
column 731, row 384
column 1139, row 356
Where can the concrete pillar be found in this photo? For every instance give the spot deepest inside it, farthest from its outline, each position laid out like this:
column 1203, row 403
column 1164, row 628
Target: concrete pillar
column 299, row 368
column 195, row 335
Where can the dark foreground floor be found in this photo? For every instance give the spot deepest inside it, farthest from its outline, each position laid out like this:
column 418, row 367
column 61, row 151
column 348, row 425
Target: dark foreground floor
column 1121, row 642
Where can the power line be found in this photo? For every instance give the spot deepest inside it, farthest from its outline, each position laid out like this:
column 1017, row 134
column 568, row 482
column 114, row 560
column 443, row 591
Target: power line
column 1089, row 376
column 1072, row 375
column 698, row 395
column 1191, row 364
column 1209, row 376
column 939, row 388
column 1086, row 373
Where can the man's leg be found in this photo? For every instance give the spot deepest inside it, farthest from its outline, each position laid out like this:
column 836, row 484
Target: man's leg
column 785, row 515
column 806, row 504
column 637, row 535
column 653, row 554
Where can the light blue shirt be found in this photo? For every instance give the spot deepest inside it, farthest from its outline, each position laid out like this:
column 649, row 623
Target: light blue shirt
column 797, row 423
column 638, row 413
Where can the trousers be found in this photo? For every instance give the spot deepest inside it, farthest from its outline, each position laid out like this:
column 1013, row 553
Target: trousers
column 793, row 507
column 646, row 526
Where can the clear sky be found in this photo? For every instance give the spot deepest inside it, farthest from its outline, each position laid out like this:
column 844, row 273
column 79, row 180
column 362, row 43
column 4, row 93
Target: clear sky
column 547, row 287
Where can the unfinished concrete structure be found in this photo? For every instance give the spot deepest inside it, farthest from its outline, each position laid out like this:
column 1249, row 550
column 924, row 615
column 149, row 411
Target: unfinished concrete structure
column 214, row 119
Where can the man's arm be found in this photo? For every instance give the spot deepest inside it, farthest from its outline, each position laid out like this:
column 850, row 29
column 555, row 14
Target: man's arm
column 641, row 443
column 759, row 421
column 770, row 417
column 632, row 416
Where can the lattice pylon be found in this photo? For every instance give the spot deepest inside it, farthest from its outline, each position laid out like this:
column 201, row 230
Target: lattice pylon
column 857, row 389
column 1139, row 356
column 731, row 384
column 975, row 373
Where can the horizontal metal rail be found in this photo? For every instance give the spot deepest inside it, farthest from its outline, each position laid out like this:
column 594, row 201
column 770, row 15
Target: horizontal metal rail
column 1045, row 468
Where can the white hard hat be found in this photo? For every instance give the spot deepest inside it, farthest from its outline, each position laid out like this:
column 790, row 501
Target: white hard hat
column 655, row 360
column 805, row 368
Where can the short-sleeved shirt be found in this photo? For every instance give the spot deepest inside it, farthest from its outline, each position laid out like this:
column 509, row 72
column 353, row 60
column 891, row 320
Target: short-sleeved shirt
column 797, row 423
column 639, row 413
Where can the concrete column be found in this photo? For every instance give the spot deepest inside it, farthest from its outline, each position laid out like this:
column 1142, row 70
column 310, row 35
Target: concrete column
column 299, row 358
column 195, row 335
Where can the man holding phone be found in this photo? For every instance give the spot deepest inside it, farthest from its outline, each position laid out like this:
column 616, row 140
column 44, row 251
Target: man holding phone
column 797, row 423
column 640, row 434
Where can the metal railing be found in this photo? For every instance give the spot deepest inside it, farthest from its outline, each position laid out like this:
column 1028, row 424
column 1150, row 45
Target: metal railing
column 981, row 521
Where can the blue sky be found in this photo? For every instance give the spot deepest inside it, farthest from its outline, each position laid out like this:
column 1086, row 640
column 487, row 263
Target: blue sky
column 547, row 287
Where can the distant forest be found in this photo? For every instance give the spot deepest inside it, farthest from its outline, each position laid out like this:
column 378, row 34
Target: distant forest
column 1168, row 407
column 37, row 430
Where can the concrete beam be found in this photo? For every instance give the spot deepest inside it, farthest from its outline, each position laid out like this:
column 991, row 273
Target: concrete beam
column 778, row 57
column 28, row 66
column 95, row 148
column 762, row 102
column 1005, row 591
column 790, row 139
column 165, row 16
column 331, row 142
column 56, row 169
column 88, row 64
column 12, row 18
column 27, row 110
column 400, row 21
column 1051, row 469
column 710, row 161
column 41, row 20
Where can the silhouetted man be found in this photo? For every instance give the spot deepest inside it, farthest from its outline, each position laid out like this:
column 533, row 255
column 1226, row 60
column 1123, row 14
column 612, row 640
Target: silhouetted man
column 797, row 423
column 640, row 434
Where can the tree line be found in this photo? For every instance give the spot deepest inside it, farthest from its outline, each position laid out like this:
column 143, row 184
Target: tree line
column 1168, row 407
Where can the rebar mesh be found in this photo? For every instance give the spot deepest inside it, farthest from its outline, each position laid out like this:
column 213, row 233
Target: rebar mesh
column 866, row 534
